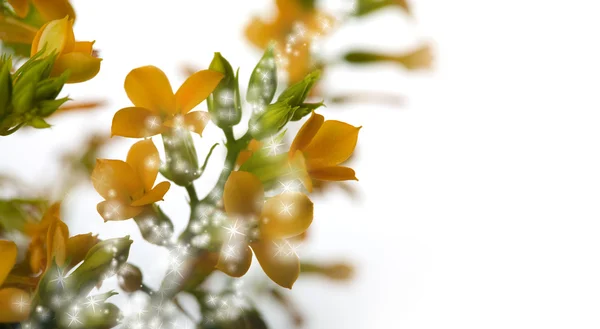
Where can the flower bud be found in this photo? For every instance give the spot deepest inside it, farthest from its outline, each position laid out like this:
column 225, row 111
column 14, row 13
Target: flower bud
column 130, row 278
column 272, row 120
column 47, row 107
column 263, row 81
column 181, row 158
column 365, row 7
column 50, row 88
column 305, row 109
column 336, row 271
column 102, row 260
column 297, row 93
column 224, row 103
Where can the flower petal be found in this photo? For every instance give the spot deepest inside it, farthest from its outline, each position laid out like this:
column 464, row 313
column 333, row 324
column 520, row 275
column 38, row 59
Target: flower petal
column 300, row 172
column 154, row 195
column 243, row 194
column 117, row 210
column 235, row 259
column 143, row 158
column 259, row 33
column 56, row 35
column 115, row 179
column 54, row 9
column 78, row 246
column 21, row 7
column 306, row 133
column 8, row 258
column 149, row 87
column 56, row 243
column 83, row 67
column 333, row 144
column 278, row 261
column 136, row 122
column 86, row 47
column 196, row 89
column 286, row 215
column 193, row 121
column 14, row 305
column 337, row 173
column 12, row 30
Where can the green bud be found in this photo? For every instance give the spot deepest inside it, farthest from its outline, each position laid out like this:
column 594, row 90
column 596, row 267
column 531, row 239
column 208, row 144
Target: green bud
column 263, row 81
column 224, row 103
column 272, row 120
column 38, row 123
column 5, row 86
column 46, row 108
column 156, row 227
column 305, row 109
column 182, row 160
column 297, row 93
column 50, row 88
column 101, row 261
column 102, row 316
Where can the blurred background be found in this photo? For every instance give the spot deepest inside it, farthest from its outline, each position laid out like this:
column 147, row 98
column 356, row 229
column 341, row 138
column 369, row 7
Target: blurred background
column 477, row 205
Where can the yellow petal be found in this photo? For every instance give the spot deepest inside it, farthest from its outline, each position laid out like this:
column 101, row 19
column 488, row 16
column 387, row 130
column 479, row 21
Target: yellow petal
column 300, row 172
column 56, row 36
column 196, row 89
column 8, row 257
column 136, row 122
column 154, row 195
column 82, row 67
column 12, row 30
column 56, row 243
column 115, row 179
column 86, row 47
column 243, row 194
column 235, row 259
column 37, row 256
column 54, row 9
column 194, row 121
column 14, row 305
column 21, row 7
column 278, row 260
column 149, row 87
column 336, row 173
column 286, row 215
column 78, row 246
column 143, row 158
column 306, row 133
column 117, row 210
column 333, row 144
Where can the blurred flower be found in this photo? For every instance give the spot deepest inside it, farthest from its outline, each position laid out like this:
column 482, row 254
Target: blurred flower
column 293, row 28
column 74, row 56
column 321, row 146
column 279, row 218
column 157, row 109
column 127, row 186
column 48, row 9
column 14, row 302
column 364, row 7
column 420, row 58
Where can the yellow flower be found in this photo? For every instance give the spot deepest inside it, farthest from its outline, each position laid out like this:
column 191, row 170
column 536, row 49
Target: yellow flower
column 279, row 218
column 127, row 186
column 321, row 146
column 48, row 9
column 157, row 109
column 290, row 14
column 14, row 302
column 75, row 56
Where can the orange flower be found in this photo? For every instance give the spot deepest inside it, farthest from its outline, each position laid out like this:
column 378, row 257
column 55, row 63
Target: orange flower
column 321, row 146
column 281, row 217
column 293, row 26
column 48, row 9
column 75, row 56
column 157, row 109
column 127, row 186
column 14, row 302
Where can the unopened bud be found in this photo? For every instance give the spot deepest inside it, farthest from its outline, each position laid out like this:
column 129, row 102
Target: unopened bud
column 224, row 103
column 271, row 120
column 181, row 158
column 5, row 86
column 297, row 93
column 263, row 81
column 130, row 278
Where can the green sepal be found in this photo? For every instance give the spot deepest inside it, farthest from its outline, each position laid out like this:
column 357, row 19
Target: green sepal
column 50, row 88
column 305, row 109
column 38, row 123
column 5, row 86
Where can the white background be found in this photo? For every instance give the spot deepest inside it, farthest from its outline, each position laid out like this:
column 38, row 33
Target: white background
column 477, row 204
